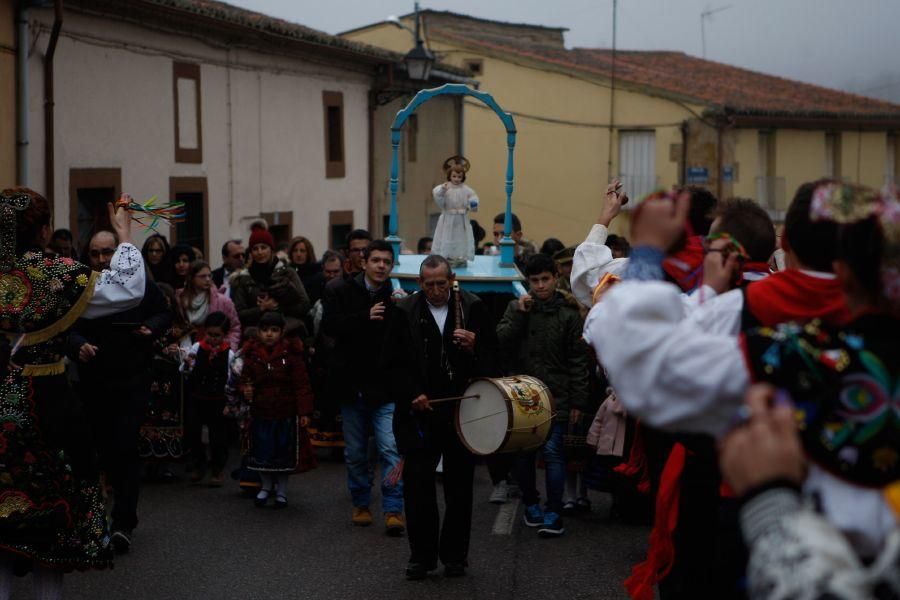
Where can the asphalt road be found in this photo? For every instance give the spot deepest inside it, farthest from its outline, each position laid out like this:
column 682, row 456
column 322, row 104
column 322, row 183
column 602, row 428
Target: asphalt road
column 198, row 542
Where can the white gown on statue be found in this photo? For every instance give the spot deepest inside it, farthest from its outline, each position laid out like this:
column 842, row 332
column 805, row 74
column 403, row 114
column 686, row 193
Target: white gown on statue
column 453, row 237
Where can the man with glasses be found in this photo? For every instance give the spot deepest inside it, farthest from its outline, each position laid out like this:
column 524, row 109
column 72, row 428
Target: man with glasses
column 113, row 355
column 434, row 355
column 357, row 312
column 233, row 255
column 357, row 242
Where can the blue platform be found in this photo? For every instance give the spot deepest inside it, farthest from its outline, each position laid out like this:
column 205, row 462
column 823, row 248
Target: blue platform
column 484, row 274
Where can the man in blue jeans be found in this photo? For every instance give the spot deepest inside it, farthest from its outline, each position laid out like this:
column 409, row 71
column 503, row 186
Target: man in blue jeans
column 357, row 312
column 540, row 335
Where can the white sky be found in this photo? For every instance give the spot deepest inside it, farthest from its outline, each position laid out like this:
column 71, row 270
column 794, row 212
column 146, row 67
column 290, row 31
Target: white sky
column 852, row 45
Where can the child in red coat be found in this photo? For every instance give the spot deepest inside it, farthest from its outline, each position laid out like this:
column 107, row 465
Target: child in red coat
column 275, row 384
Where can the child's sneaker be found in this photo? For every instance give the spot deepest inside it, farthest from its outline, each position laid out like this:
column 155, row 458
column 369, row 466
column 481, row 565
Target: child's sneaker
column 500, row 493
column 534, row 516
column 552, row 525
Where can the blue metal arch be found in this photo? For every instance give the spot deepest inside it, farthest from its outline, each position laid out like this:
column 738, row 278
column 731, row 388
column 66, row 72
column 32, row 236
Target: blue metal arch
column 507, row 246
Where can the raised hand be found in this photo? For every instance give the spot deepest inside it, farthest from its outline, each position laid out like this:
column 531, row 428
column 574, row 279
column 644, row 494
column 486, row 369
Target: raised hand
column 660, row 222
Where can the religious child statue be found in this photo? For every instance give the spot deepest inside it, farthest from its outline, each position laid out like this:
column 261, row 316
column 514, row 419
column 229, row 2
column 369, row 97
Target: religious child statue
column 453, row 237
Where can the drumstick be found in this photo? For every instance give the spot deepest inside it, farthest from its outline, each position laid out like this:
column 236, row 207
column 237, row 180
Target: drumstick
column 452, row 399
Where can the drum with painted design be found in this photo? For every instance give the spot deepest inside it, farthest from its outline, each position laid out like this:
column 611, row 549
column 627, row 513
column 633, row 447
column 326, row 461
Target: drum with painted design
column 505, row 414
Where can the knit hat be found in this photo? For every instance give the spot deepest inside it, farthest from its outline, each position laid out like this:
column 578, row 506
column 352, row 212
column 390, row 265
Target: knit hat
column 261, row 236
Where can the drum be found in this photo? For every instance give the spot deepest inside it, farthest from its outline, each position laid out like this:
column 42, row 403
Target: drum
column 505, row 414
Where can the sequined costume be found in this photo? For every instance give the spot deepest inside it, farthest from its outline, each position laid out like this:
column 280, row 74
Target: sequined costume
column 51, row 504
column 162, row 433
column 844, row 385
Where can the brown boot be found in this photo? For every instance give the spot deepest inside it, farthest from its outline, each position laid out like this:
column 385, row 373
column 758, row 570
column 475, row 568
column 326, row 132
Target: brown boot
column 393, row 523
column 362, row 516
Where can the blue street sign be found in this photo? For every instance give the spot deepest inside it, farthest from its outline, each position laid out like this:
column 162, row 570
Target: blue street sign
column 728, row 174
column 697, row 175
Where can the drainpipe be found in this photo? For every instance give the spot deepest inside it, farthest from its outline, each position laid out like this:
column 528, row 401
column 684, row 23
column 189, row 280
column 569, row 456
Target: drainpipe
column 682, row 172
column 719, row 132
column 48, row 101
column 370, row 218
column 22, row 99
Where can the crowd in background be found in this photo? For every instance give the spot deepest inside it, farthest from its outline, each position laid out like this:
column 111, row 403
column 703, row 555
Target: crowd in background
column 648, row 351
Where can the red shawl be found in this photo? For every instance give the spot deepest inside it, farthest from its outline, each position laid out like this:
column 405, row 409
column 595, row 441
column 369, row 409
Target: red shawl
column 793, row 295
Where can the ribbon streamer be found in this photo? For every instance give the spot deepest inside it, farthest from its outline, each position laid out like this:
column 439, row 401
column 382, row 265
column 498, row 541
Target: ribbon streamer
column 151, row 213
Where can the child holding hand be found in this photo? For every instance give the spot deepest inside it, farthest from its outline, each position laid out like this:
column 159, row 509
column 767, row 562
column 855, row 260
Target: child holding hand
column 275, row 384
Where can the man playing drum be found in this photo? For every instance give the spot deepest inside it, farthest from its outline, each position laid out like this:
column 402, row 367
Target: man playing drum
column 440, row 339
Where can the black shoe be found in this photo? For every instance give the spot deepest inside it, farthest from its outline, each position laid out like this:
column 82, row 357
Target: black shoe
column 280, row 501
column 454, row 569
column 120, row 540
column 262, row 498
column 416, row 571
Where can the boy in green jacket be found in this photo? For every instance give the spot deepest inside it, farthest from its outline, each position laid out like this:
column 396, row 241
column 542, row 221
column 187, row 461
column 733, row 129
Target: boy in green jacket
column 541, row 334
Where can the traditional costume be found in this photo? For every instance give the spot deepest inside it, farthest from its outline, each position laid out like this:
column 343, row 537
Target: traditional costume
column 51, row 505
column 208, row 379
column 675, row 375
column 162, row 434
column 281, row 395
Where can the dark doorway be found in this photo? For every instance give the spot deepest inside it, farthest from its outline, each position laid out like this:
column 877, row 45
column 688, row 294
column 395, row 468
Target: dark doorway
column 194, row 229
column 280, row 226
column 340, row 224
column 190, row 231
column 89, row 192
column 93, row 215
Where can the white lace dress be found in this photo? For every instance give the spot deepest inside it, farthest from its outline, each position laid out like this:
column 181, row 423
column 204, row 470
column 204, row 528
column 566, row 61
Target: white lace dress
column 453, row 235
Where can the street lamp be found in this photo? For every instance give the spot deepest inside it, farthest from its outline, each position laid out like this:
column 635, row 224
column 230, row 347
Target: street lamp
column 418, row 60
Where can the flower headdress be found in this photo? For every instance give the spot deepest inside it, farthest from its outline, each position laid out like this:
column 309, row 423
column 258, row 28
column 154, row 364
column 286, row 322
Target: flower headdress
column 845, row 203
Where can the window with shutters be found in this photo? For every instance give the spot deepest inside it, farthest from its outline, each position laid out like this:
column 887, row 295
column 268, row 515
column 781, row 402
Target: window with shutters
column 333, row 103
column 188, row 130
column 637, row 162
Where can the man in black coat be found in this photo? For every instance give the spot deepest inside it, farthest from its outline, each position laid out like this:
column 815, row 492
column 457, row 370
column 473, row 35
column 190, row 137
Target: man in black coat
column 233, row 256
column 356, row 314
column 432, row 355
column 114, row 355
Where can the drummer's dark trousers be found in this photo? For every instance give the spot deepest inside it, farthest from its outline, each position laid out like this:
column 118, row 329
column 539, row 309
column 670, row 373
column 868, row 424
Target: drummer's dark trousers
column 428, row 540
column 117, row 410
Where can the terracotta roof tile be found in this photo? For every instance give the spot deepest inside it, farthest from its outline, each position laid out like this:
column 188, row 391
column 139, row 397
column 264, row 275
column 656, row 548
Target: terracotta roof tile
column 235, row 16
column 722, row 88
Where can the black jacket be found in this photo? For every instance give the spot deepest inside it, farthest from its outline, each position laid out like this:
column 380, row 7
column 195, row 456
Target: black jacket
column 218, row 276
column 123, row 357
column 420, row 359
column 355, row 364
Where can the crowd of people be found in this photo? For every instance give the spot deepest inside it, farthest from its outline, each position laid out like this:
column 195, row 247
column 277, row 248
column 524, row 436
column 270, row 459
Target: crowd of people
column 734, row 388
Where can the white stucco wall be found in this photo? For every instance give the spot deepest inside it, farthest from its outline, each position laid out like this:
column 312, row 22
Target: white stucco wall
column 115, row 109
